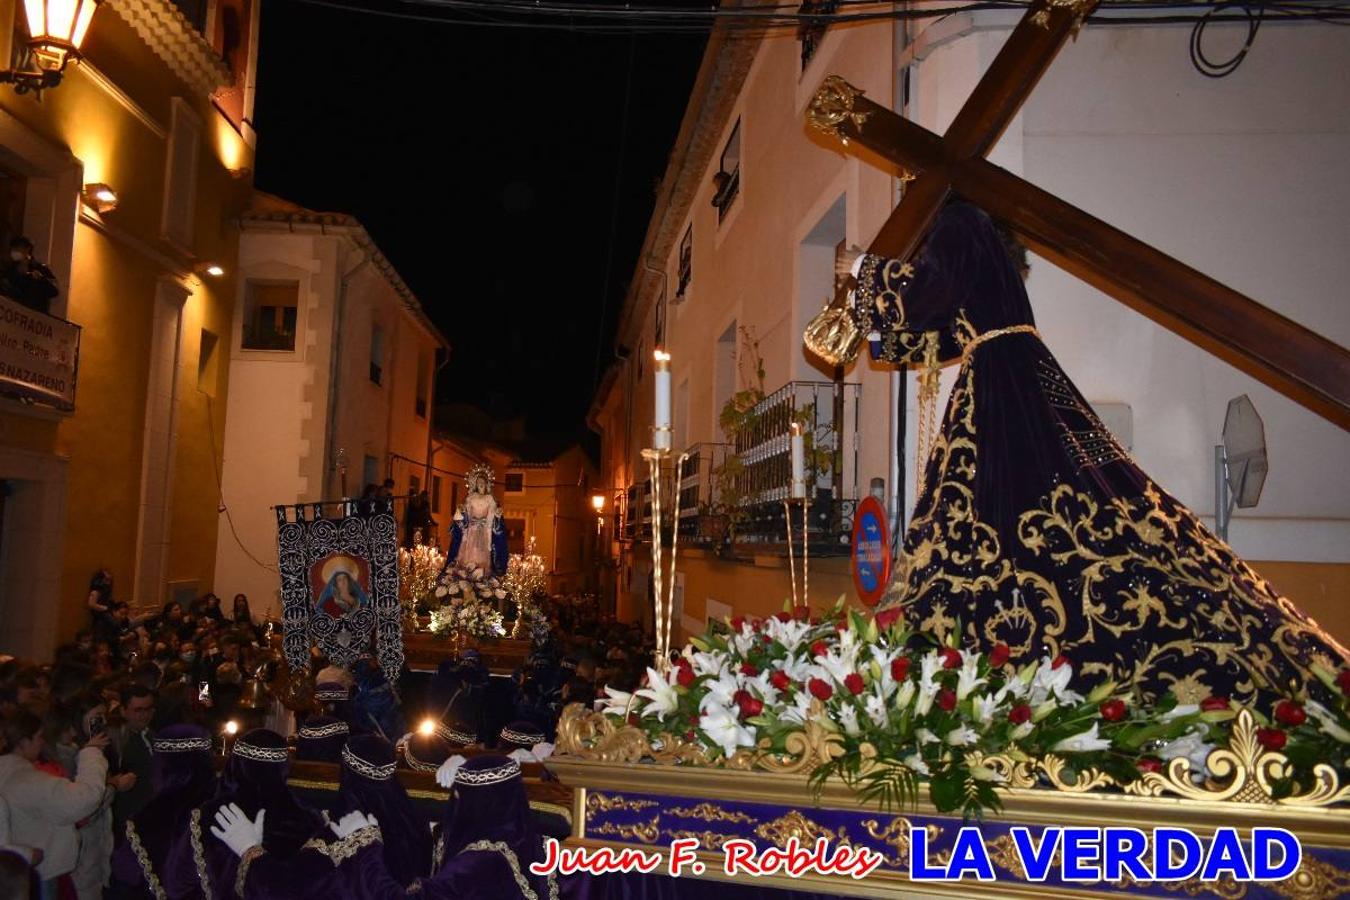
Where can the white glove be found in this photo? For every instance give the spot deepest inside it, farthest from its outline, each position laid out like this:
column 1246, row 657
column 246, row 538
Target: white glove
column 522, row 756
column 445, row 775
column 235, row 829
column 352, row 822
column 542, row 751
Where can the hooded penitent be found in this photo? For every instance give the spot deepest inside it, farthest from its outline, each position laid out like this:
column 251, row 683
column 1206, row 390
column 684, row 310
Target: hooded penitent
column 367, row 783
column 519, row 735
column 321, row 739
column 1034, row 527
column 254, row 779
column 184, row 777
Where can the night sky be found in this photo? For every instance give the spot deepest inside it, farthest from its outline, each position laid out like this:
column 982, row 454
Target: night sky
column 484, row 161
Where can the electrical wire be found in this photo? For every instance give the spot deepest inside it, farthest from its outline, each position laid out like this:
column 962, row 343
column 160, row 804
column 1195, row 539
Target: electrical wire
column 1203, row 64
column 220, row 488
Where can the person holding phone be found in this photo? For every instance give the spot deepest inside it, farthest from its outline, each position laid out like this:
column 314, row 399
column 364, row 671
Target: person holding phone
column 134, row 753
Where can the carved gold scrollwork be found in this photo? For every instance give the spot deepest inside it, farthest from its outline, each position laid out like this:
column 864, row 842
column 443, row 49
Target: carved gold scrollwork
column 806, row 830
column 1080, row 9
column 1313, row 880
column 601, row 803
column 710, row 812
column 648, row 832
column 833, row 105
column 1242, row 772
column 897, row 834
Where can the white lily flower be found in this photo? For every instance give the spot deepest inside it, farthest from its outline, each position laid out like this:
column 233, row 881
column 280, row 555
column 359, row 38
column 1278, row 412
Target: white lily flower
column 915, row 762
column 798, row 668
column 1181, row 709
column 789, row 634
column 614, row 703
column 1190, row 745
column 925, row 736
column 984, row 709
column 745, row 641
column 721, row 691
column 712, row 662
column 848, row 718
column 763, row 688
column 876, row 710
column 905, row 695
column 1083, row 743
column 661, row 694
column 726, row 731
column 984, row 773
column 1049, row 680
column 962, row 736
column 968, row 679
column 799, row 711
column 1022, row 731
column 1327, row 721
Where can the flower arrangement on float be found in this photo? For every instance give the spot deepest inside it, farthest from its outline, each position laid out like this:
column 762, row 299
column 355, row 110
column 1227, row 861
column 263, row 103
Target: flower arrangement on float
column 904, row 708
column 467, row 618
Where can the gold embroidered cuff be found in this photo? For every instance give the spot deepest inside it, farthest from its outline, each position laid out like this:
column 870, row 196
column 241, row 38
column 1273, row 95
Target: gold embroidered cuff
column 245, row 861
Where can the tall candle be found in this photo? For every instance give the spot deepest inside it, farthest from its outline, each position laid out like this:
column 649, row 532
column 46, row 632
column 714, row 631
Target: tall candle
column 661, row 418
column 798, row 462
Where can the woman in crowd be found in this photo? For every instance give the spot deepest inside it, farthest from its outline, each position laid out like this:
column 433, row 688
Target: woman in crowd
column 184, row 778
column 45, row 808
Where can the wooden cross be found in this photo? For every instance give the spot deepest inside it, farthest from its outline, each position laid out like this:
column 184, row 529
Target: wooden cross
column 1298, row 362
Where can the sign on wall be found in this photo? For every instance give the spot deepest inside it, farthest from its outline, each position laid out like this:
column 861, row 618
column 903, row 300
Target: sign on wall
column 339, row 583
column 39, row 355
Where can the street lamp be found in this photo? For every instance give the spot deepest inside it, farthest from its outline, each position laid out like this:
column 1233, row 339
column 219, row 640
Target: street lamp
column 56, row 29
column 598, row 503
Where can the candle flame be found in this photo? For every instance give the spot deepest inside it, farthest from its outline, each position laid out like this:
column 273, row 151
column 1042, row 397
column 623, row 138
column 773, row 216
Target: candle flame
column 426, row 728
column 232, row 727
column 662, row 356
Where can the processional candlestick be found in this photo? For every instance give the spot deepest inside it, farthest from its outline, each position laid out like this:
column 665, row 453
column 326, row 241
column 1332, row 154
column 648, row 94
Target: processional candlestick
column 663, row 593
column 798, row 495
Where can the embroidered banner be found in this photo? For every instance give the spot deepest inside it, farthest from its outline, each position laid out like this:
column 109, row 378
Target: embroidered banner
column 339, row 583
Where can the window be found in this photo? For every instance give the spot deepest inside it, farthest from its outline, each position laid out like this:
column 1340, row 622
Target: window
column 206, row 364
column 435, row 495
column 727, row 181
column 515, row 482
column 180, row 176
column 13, row 193
column 686, row 262
column 270, row 310
column 660, row 341
column 370, row 470
column 812, row 34
column 423, row 385
column 377, row 354
column 515, row 534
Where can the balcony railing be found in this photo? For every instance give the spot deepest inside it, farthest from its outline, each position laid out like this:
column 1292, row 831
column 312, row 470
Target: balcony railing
column 732, row 494
column 39, row 356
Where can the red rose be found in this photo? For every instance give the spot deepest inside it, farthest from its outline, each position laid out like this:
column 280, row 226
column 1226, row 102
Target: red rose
column 685, row 677
column 1214, row 704
column 736, row 624
column 900, row 668
column 888, row 617
column 1287, row 712
column 1343, row 680
column 780, row 680
column 1112, row 710
column 783, row 616
column 999, row 655
column 820, row 648
column 842, row 624
column 820, row 689
column 766, row 639
column 1019, row 714
column 748, row 669
column 946, row 699
column 752, row 706
column 801, row 613
column 951, row 658
column 1149, row 764
column 854, row 683
column 1060, row 660
column 1271, row 738
column 689, row 735
column 632, row 718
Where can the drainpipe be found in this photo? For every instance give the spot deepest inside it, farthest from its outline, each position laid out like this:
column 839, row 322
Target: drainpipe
column 339, row 316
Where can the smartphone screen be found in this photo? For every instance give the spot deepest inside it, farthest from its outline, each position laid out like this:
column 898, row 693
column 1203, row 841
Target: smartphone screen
column 203, row 690
column 97, row 725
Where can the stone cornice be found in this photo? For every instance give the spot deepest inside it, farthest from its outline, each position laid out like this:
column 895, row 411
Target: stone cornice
column 173, row 39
